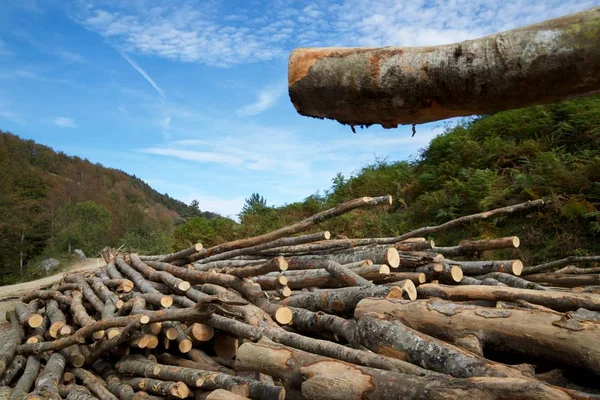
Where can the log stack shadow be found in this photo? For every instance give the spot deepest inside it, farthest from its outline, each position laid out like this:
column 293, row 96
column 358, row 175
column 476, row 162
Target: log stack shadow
column 279, row 316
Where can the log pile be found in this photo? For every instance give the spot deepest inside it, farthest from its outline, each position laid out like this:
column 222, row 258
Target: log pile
column 279, row 316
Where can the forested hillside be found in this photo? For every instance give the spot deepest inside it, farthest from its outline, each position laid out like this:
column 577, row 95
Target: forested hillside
column 550, row 152
column 51, row 203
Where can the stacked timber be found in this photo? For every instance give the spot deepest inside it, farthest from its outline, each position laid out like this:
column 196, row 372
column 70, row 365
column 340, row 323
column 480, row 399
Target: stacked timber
column 293, row 315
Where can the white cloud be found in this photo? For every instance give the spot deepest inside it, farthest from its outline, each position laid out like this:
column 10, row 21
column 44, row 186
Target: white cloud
column 195, row 31
column 65, row 122
column 69, row 56
column 144, row 74
column 266, row 98
column 227, row 207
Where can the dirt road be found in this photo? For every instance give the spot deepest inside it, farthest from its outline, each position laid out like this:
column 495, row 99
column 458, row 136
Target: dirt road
column 10, row 294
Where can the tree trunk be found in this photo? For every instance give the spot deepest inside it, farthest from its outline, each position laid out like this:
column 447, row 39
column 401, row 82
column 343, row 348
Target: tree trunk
column 14, row 337
column 560, row 263
column 274, row 265
column 512, row 281
column 93, row 383
column 537, row 64
column 514, row 267
column 163, row 388
column 182, row 254
column 560, row 301
column 566, row 280
column 46, row 386
column 379, row 255
column 536, row 333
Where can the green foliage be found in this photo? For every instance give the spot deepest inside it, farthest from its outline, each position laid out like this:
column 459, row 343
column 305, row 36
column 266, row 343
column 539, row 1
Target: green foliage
column 208, row 231
column 82, row 225
column 147, row 242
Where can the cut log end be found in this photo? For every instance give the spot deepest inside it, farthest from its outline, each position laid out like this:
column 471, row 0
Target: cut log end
column 198, row 246
column 155, row 327
column 113, row 332
column 282, row 280
column 183, row 286
column 393, row 257
column 456, row 273
column 282, row 264
column 409, row 289
column 515, row 241
column 201, row 332
column 185, row 346
column 152, row 342
column 98, row 335
column 35, row 320
column 384, row 269
column 422, row 278
column 144, row 319
column 437, row 267
column 180, row 390
column 327, row 235
column 283, row 315
column 517, row 265
column 171, row 333
column 54, row 329
column 226, row 346
column 166, row 301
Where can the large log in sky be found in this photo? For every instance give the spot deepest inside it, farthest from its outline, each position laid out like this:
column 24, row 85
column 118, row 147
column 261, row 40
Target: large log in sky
column 537, row 64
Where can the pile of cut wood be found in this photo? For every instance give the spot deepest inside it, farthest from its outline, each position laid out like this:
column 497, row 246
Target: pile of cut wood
column 281, row 316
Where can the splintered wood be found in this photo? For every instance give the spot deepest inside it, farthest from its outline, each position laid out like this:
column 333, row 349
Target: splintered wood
column 279, row 316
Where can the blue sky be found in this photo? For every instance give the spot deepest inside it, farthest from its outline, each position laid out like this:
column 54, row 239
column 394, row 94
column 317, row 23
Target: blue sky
column 191, row 96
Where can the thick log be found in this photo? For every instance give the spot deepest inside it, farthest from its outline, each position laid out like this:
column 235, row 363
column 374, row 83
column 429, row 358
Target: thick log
column 118, row 285
column 318, row 322
column 537, row 64
column 513, row 281
column 339, row 301
column 286, row 241
column 378, row 254
column 237, row 263
column 205, row 363
column 14, row 337
column 397, row 340
column 28, row 313
column 47, row 295
column 346, row 275
column 514, row 267
column 46, row 386
column 14, row 369
column 472, row 246
column 219, row 394
column 56, row 316
column 536, row 333
column 185, row 253
column 26, row 380
column 200, row 332
column 164, row 388
column 571, row 269
column 80, row 315
column 565, row 280
column 415, row 277
column 75, row 392
column 316, row 346
column 201, row 379
column 176, row 333
column 154, row 275
column 560, row 301
column 226, row 346
column 87, row 291
column 560, row 263
column 299, row 226
column 93, row 383
column 73, row 355
column 112, row 270
column 113, row 381
column 274, row 265
column 138, row 279
column 344, row 381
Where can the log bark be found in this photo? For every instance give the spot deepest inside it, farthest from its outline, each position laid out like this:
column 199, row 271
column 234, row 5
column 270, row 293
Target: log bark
column 415, row 277
column 427, row 230
column 317, row 346
column 571, row 269
column 560, row 301
column 565, row 280
column 80, row 315
column 14, row 337
column 124, row 335
column 346, row 275
column 560, row 263
column 274, row 265
column 537, row 64
column 339, row 301
column 112, row 270
column 164, row 388
column 379, row 255
column 47, row 295
column 162, row 276
column 299, row 226
column 46, row 386
column 93, row 383
column 56, row 316
column 87, row 291
column 472, row 246
column 536, row 333
column 113, row 381
column 14, row 369
column 205, row 363
column 185, row 253
column 138, row 279
column 28, row 313
column 75, row 392
column 514, row 267
column 219, row 394
column 26, row 381
column 345, row 381
column 397, row 340
column 286, row 241
column 201, row 379
column 513, row 281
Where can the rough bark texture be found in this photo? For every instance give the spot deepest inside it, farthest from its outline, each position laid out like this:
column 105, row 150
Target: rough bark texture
column 538, row 64
column 545, row 334
column 46, row 385
column 13, row 338
column 560, row 263
column 14, row 369
column 164, row 388
column 513, row 281
column 93, row 383
column 560, row 301
column 514, row 267
column 27, row 380
column 566, row 280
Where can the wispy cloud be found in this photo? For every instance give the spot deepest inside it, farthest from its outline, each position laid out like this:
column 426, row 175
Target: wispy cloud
column 65, row 122
column 69, row 56
column 27, row 73
column 266, row 98
column 144, row 74
column 194, row 31
column 3, row 50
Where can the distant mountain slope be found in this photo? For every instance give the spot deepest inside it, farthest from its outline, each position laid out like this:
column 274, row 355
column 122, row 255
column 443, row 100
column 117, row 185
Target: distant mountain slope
column 39, row 191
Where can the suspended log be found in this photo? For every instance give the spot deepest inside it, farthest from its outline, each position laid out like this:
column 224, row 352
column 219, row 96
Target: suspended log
column 560, row 301
column 185, row 253
column 413, row 85
column 531, row 332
